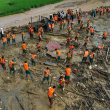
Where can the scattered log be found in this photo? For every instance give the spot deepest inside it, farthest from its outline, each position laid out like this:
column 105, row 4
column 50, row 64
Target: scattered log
column 30, row 92
column 101, row 72
column 84, row 95
column 103, row 87
column 107, row 55
column 20, row 103
column 63, row 100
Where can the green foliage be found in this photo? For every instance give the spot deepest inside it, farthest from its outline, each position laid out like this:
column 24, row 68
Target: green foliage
column 20, row 6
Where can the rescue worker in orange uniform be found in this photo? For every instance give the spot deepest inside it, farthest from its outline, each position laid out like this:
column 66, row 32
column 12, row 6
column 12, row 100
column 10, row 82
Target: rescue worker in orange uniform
column 86, row 41
column 104, row 10
column 68, row 41
column 4, row 41
column 69, row 55
column 51, row 93
column 38, row 47
column 24, row 48
column 62, row 82
column 41, row 30
column 46, row 75
column 86, row 53
column 32, row 32
column 57, row 55
column 97, row 9
column 33, row 59
column 13, row 38
column 72, row 24
column 39, row 35
column 77, row 36
column 2, row 62
column 100, row 47
column 92, row 31
column 87, row 29
column 67, row 74
column 101, row 11
column 81, row 25
column 23, row 35
column 8, row 38
column 104, row 35
column 71, row 48
column 27, row 70
column 79, row 19
column 92, row 57
column 12, row 64
column 61, row 25
column 52, row 27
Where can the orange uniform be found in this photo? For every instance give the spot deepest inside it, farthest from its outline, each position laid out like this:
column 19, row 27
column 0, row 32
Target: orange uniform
column 2, row 60
column 79, row 18
column 4, row 39
column 26, row 66
column 71, row 48
column 105, row 34
column 8, row 36
column 38, row 46
column 23, row 34
column 32, row 31
column 62, row 81
column 86, row 53
column 58, row 52
column 34, row 56
column 53, row 25
column 46, row 73
column 24, row 46
column 51, row 92
column 92, row 54
column 68, row 39
column 91, row 30
column 13, row 36
column 69, row 55
column 41, row 29
column 68, row 71
column 39, row 34
column 100, row 48
column 29, row 26
column 11, row 64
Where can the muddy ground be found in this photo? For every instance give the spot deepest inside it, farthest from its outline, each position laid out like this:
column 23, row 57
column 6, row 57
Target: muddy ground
column 20, row 93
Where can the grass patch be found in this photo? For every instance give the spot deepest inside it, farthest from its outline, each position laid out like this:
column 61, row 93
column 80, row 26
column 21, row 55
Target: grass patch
column 8, row 7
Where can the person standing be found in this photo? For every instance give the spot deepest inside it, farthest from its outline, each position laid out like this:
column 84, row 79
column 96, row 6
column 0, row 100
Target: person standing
column 51, row 93
column 23, row 36
column 2, row 61
column 8, row 38
column 13, row 38
column 46, row 75
column 86, row 53
column 67, row 74
column 57, row 55
column 11, row 65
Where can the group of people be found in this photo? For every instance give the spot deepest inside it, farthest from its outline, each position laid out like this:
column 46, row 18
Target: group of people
column 62, row 80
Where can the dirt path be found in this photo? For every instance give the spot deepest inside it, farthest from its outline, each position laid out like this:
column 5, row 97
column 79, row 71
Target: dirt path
column 24, row 18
